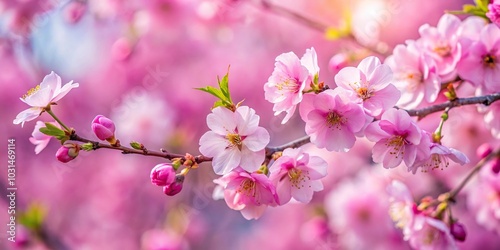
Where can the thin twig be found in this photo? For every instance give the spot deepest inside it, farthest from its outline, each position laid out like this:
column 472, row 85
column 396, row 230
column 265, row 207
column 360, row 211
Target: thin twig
column 486, row 100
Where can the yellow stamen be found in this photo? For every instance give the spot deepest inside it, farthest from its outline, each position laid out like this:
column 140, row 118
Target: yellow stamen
column 335, row 120
column 489, row 61
column 235, row 140
column 31, row 92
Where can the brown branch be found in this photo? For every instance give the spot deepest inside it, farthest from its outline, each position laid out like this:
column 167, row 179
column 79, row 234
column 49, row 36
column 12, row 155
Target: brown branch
column 146, row 152
column 486, row 100
column 293, row 144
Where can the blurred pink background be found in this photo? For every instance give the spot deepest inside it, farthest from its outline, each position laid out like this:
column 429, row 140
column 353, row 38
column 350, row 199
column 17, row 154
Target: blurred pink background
column 137, row 63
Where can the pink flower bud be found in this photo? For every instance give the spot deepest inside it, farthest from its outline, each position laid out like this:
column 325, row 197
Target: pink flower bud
column 458, row 231
column 338, row 61
column 67, row 152
column 484, row 150
column 494, row 13
column 103, row 128
column 163, row 174
column 495, row 165
column 175, row 187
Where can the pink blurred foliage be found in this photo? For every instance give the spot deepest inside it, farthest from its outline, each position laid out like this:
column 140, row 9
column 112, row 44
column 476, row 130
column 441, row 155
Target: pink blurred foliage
column 138, row 62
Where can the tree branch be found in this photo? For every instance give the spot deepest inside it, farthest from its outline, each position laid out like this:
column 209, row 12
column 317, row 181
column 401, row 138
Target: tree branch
column 486, row 100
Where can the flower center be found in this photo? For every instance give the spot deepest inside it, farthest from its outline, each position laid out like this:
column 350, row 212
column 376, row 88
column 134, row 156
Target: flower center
column 442, row 50
column 235, row 140
column 297, row 177
column 436, row 161
column 335, row 120
column 288, row 85
column 247, row 187
column 364, row 93
column 489, row 61
column 397, row 144
column 31, row 92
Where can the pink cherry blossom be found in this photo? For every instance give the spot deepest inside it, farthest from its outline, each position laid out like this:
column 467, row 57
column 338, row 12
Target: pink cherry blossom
column 481, row 65
column 429, row 233
column 370, row 84
column 397, row 138
column 415, row 75
column 440, row 157
column 249, row 193
column 297, row 174
column 441, row 43
column 310, row 61
column 331, row 120
column 494, row 13
column 483, row 200
column 235, row 140
column 402, row 208
column 39, row 139
column 39, row 97
column 284, row 86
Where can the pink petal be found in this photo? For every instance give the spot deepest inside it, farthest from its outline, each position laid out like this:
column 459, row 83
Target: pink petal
column 249, row 160
column 253, row 212
column 383, row 99
column 374, row 133
column 303, row 194
column 317, row 167
column 40, row 98
column 222, row 121
column 306, row 106
column 284, row 190
column 381, row 77
column 348, row 78
column 368, row 66
column 226, row 161
column 258, row 140
column 247, row 121
column 211, row 144
column 27, row 115
column 51, row 81
column 60, row 93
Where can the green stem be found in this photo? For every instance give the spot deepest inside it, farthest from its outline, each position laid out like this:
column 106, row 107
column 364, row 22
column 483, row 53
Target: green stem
column 57, row 120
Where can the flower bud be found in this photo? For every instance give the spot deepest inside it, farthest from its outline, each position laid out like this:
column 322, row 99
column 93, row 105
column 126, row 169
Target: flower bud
column 484, row 150
column 104, row 128
column 175, row 187
column 67, row 152
column 495, row 165
column 458, row 231
column 338, row 61
column 163, row 174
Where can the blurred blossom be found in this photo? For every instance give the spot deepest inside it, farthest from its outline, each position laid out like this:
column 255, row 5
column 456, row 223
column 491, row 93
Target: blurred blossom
column 234, row 140
column 297, row 174
column 441, row 43
column 484, row 201
column 145, row 118
column 39, row 139
column 358, row 212
column 494, row 12
column 157, row 239
column 44, row 94
column 429, row 233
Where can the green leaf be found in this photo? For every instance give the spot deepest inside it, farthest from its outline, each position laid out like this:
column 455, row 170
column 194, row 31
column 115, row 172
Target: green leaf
column 224, row 86
column 218, row 103
column 52, row 130
column 468, row 8
column 215, row 92
column 482, row 4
